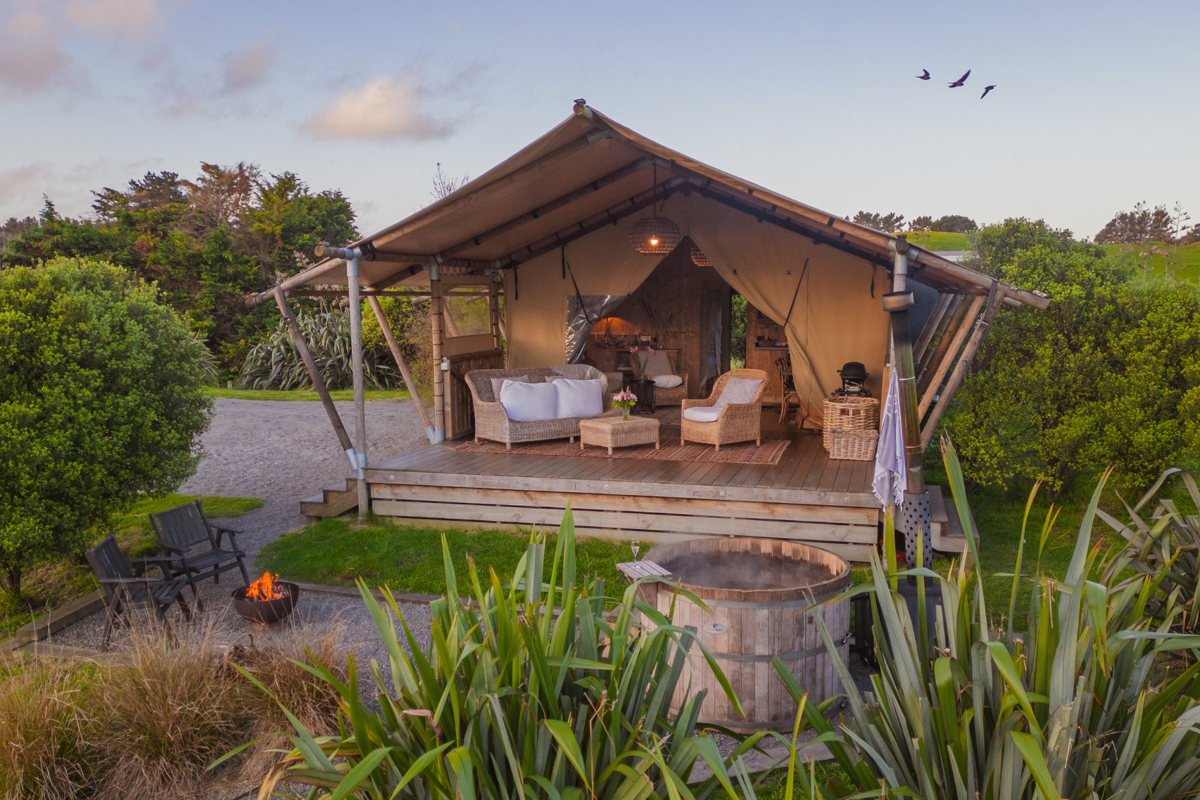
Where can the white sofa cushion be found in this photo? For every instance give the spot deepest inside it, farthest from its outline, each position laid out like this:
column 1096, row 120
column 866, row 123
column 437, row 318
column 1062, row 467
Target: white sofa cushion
column 659, row 363
column 579, row 398
column 499, row 382
column 667, row 381
column 529, row 401
column 702, row 413
column 615, row 379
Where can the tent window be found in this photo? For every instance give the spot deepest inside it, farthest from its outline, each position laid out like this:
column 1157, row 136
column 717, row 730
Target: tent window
column 466, row 315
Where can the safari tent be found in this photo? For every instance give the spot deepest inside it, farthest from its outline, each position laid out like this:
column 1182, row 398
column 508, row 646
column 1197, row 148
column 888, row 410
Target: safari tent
column 545, row 242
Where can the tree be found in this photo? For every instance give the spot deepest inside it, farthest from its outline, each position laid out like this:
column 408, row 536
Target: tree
column 1110, row 373
column 101, row 401
column 921, row 224
column 1138, row 226
column 888, row 223
column 953, row 223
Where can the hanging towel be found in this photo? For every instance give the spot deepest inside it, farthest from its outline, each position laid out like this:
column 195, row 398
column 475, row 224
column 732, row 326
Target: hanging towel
column 889, row 479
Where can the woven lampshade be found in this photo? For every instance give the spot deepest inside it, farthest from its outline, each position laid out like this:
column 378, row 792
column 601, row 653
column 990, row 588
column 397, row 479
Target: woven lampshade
column 699, row 259
column 654, row 236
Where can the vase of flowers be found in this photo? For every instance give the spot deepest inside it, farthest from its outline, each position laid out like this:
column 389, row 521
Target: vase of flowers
column 642, row 356
column 624, row 400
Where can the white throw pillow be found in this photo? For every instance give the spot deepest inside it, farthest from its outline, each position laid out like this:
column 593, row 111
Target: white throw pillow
column 498, row 382
column 659, row 363
column 702, row 413
column 615, row 379
column 529, row 401
column 579, row 398
column 668, row 381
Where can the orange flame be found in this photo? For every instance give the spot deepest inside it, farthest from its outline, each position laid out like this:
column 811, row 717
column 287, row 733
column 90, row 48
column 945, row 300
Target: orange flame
column 265, row 588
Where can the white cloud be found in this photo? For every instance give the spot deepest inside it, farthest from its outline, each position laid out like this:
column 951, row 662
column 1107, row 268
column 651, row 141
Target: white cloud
column 69, row 187
column 16, row 185
column 385, row 109
column 245, row 69
column 31, row 55
column 119, row 19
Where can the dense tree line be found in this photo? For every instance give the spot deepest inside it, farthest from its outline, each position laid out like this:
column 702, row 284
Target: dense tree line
column 206, row 243
column 894, row 223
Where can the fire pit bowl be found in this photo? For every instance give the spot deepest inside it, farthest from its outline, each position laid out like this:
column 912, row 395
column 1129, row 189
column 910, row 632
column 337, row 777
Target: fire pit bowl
column 763, row 596
column 267, row 611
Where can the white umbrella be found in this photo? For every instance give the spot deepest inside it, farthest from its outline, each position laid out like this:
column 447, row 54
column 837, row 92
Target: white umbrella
column 889, row 481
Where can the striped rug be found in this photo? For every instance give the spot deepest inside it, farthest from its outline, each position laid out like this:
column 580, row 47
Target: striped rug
column 670, row 449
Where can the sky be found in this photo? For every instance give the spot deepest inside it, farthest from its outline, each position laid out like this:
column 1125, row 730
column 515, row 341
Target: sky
column 1094, row 108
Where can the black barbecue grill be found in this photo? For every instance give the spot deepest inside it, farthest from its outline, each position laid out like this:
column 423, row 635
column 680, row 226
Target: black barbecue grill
column 854, row 380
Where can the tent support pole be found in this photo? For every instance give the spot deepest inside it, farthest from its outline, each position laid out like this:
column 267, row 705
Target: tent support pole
column 943, row 366
column 402, row 364
column 494, row 313
column 315, row 376
column 360, row 404
column 439, row 379
column 915, row 509
column 931, row 324
column 957, row 320
column 995, row 300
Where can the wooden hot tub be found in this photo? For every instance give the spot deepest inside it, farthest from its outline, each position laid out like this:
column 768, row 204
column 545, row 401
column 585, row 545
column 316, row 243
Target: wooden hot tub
column 761, row 594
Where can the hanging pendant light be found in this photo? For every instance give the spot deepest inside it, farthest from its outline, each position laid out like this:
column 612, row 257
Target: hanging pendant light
column 699, row 259
column 654, row 235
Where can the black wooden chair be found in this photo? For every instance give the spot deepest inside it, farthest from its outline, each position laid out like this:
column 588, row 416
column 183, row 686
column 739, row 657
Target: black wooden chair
column 125, row 586
column 193, row 545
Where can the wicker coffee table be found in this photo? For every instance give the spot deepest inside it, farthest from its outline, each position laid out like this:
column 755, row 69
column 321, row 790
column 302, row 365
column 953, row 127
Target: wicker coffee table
column 613, row 432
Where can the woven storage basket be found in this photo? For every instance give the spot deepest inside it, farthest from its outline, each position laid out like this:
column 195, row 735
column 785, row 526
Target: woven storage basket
column 847, row 415
column 853, row 445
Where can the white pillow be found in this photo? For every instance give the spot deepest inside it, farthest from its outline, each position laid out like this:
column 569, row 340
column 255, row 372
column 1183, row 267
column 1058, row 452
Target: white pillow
column 579, row 398
column 659, row 363
column 702, row 413
column 668, row 381
column 529, row 401
column 499, row 382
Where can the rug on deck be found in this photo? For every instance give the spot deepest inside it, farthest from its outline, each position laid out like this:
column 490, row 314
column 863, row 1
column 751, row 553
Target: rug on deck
column 670, row 449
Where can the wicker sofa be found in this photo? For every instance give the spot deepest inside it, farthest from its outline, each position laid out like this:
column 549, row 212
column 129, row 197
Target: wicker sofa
column 739, row 422
column 491, row 421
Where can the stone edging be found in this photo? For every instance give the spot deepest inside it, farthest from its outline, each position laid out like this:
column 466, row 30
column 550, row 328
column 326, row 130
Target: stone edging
column 55, row 621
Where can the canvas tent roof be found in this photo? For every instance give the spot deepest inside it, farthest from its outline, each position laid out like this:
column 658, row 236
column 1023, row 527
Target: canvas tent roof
column 587, row 173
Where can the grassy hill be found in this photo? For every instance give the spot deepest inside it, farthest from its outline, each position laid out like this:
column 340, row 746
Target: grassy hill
column 937, row 240
column 1187, row 270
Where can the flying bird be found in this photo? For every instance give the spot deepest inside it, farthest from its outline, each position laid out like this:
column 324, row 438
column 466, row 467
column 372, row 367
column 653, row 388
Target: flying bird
column 986, row 89
column 924, row 76
column 960, row 81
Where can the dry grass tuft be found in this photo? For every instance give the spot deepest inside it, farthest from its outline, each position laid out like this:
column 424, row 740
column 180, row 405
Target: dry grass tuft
column 168, row 712
column 312, row 700
column 45, row 749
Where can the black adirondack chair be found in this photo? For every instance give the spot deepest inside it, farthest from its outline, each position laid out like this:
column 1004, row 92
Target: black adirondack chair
column 128, row 586
column 194, row 546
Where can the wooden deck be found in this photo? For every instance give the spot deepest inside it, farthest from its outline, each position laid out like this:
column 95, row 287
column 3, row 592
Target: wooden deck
column 805, row 497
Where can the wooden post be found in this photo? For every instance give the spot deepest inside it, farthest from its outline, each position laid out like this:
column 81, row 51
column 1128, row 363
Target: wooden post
column 995, row 300
column 494, row 313
column 401, row 363
column 314, row 375
column 931, row 325
column 439, row 379
column 943, row 366
column 956, row 322
column 360, row 404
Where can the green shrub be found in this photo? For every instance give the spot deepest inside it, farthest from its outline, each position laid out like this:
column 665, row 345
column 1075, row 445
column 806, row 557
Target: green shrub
column 516, row 701
column 1069, row 711
column 101, row 402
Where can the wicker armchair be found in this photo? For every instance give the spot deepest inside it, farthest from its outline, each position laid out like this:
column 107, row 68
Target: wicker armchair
column 668, row 397
column 491, row 421
column 739, row 422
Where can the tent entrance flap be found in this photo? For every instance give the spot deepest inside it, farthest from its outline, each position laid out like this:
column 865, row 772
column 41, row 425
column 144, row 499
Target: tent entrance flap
column 583, row 312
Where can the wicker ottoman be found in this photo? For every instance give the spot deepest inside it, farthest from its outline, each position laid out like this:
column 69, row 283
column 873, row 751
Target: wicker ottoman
column 613, row 432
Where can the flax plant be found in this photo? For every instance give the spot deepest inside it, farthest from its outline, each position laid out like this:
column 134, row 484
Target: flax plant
column 542, row 688
column 1167, row 542
column 1069, row 710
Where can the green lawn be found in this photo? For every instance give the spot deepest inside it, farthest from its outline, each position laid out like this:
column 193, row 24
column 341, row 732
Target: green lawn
column 303, row 394
column 408, row 559
column 938, row 240
column 1188, row 257
column 55, row 584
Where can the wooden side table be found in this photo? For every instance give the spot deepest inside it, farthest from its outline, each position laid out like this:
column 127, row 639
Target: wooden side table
column 613, row 432
column 644, row 390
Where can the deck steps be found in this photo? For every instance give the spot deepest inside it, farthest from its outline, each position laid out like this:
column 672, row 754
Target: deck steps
column 331, row 502
column 948, row 534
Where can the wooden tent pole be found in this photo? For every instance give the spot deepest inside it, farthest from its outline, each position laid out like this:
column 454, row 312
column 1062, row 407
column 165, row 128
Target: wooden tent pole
column 439, row 379
column 956, row 322
column 313, row 374
column 360, row 400
column 402, row 364
column 939, row 374
column 494, row 314
column 995, row 300
column 931, row 325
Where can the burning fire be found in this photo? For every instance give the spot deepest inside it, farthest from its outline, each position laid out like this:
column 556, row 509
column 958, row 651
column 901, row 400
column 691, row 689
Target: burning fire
column 266, row 588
